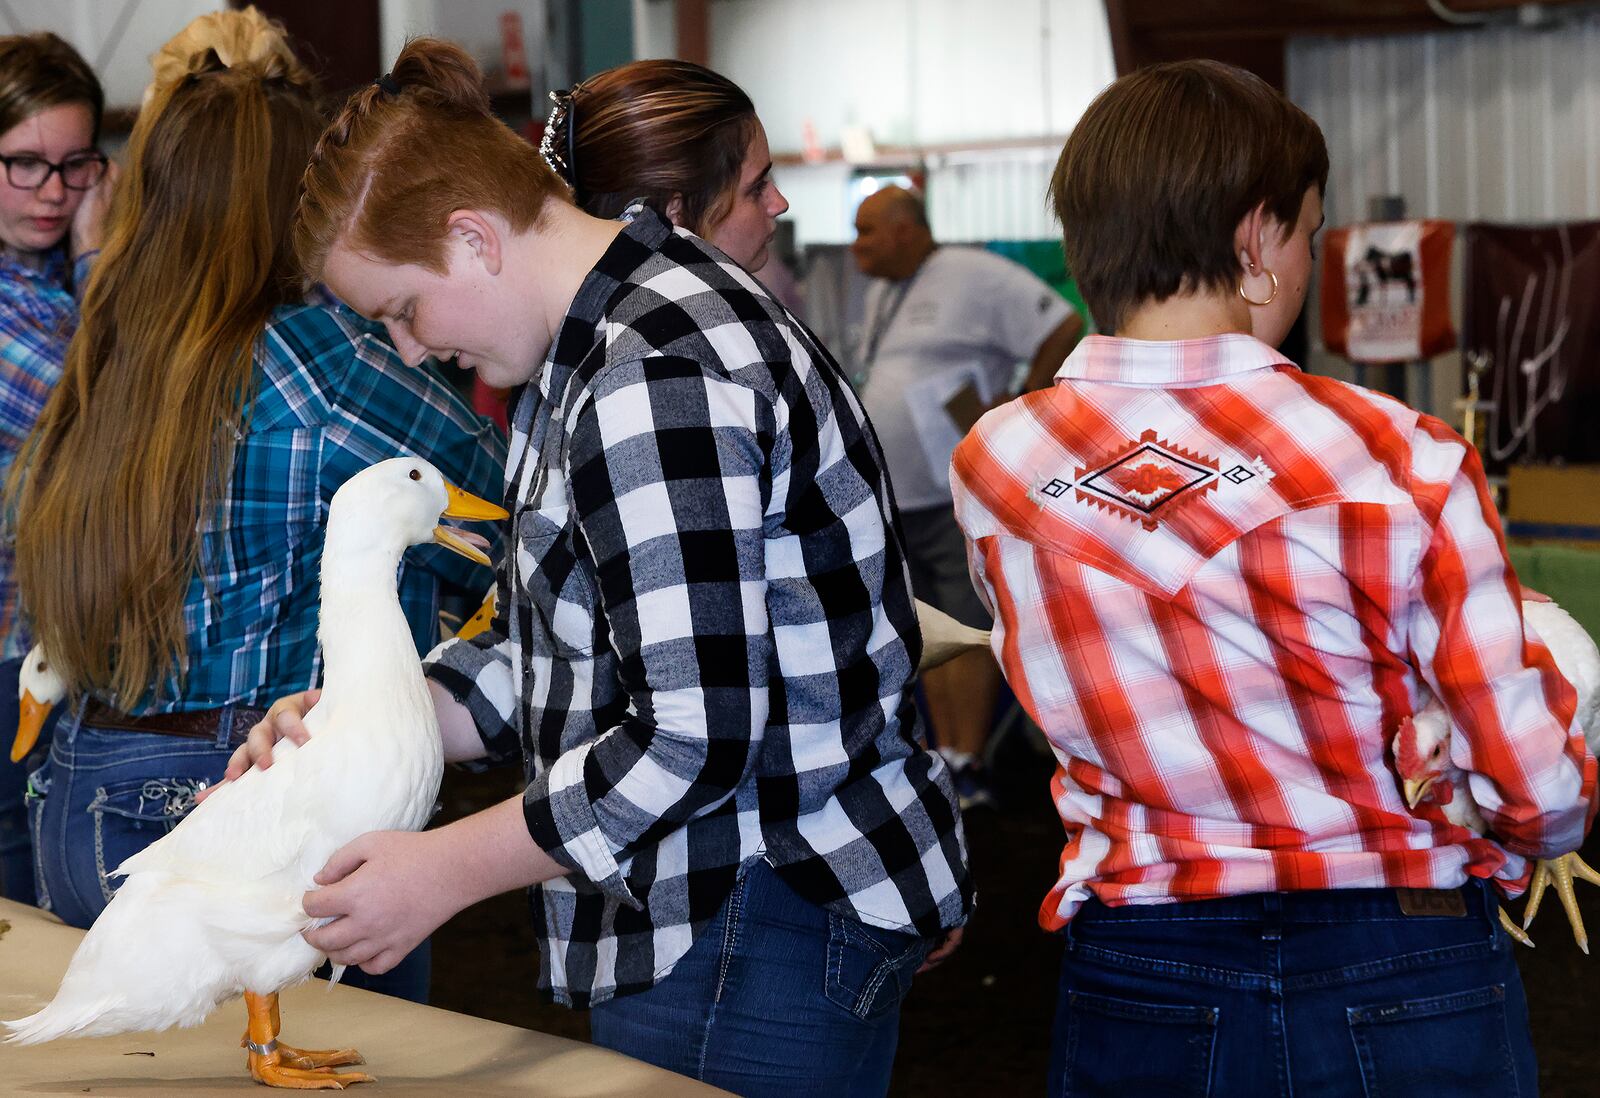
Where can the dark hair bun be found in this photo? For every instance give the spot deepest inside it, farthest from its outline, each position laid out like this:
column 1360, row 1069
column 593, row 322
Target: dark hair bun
column 432, row 65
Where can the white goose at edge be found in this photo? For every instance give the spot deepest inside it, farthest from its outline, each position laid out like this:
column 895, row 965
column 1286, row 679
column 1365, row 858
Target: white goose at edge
column 213, row 908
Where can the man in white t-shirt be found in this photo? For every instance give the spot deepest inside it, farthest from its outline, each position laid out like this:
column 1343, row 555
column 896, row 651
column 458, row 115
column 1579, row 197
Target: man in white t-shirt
column 946, row 330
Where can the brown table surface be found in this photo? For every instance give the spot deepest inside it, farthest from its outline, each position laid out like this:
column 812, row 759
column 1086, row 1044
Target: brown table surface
column 413, row 1050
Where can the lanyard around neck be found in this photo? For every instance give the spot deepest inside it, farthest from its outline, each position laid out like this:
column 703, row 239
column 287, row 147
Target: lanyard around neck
column 888, row 309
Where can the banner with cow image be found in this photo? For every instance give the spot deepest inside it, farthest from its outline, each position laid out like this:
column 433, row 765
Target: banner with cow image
column 1386, row 291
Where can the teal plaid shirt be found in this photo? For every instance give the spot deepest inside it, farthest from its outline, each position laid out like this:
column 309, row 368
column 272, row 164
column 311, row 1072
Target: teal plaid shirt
column 331, row 397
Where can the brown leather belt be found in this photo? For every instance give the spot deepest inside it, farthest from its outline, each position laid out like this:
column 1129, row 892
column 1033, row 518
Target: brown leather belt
column 198, row 724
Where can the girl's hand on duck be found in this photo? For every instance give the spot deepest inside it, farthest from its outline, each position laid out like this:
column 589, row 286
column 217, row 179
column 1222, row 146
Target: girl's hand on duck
column 284, row 720
column 385, row 893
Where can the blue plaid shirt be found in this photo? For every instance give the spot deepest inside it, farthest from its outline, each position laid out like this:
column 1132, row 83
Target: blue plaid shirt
column 38, row 314
column 332, row 397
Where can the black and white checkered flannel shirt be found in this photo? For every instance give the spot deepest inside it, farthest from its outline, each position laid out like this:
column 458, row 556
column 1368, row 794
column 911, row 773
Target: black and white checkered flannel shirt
column 707, row 651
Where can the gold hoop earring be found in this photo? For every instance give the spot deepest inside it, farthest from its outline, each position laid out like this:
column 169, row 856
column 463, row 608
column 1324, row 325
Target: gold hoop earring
column 1260, row 304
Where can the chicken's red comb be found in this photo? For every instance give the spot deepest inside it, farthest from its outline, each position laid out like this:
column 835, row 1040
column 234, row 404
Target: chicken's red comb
column 1407, row 759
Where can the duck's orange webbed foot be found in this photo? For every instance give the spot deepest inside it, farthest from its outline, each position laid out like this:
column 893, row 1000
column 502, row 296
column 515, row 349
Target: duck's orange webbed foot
column 291, row 1068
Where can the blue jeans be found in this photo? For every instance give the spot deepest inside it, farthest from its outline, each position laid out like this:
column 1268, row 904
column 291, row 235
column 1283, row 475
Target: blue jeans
column 1335, row 994
column 104, row 794
column 777, row 996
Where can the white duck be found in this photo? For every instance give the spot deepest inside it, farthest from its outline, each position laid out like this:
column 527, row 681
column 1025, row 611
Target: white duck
column 213, row 908
column 944, row 638
column 39, row 690
column 1422, row 758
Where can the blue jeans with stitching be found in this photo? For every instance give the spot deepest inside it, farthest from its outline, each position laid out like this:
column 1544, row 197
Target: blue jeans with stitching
column 777, row 996
column 104, row 794
column 1332, row 994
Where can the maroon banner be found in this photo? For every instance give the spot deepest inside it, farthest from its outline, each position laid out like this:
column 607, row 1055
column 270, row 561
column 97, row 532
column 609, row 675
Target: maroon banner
column 1386, row 291
column 1531, row 340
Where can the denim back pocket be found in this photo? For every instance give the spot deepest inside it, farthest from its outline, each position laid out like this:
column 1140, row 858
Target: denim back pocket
column 131, row 814
column 1117, row 1048
column 870, row 969
column 1453, row 1045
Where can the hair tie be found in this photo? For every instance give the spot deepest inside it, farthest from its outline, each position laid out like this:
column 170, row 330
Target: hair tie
column 559, row 145
column 388, row 83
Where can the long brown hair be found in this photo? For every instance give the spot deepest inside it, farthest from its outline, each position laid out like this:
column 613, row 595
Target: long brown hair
column 658, row 130
column 136, row 441
column 408, row 151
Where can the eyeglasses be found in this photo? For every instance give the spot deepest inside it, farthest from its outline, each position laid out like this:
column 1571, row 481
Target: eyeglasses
column 78, row 173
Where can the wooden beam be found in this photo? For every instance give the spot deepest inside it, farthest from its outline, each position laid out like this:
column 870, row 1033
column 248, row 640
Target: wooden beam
column 338, row 41
column 694, row 31
column 1122, row 44
column 1224, row 17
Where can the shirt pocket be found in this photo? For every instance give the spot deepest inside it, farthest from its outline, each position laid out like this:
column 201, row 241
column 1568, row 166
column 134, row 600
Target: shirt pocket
column 557, row 584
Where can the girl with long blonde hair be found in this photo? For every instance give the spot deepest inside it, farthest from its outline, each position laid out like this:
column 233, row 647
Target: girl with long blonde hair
column 170, row 503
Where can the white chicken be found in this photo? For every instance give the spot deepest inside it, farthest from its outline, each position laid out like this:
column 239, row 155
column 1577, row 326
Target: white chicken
column 1422, row 759
column 39, row 690
column 213, row 908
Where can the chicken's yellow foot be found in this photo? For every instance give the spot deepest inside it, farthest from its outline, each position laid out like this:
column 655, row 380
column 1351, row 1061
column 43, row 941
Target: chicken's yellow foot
column 281, row 1066
column 1561, row 871
column 1514, row 930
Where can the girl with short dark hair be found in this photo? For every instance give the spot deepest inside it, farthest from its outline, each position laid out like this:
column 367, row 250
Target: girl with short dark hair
column 1220, row 586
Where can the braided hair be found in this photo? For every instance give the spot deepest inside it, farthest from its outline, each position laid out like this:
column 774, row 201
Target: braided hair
column 408, row 150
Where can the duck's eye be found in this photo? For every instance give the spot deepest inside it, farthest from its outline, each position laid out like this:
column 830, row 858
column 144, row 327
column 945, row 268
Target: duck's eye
column 42, row 667
column 416, row 474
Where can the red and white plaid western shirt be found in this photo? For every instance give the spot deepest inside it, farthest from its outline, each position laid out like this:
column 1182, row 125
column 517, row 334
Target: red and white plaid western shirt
column 1218, row 584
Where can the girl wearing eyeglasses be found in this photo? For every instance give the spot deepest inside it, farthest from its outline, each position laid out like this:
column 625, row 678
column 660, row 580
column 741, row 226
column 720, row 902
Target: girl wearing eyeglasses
column 54, row 189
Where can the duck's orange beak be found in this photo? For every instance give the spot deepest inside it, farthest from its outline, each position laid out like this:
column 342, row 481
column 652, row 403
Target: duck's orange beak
column 465, row 505
column 34, row 713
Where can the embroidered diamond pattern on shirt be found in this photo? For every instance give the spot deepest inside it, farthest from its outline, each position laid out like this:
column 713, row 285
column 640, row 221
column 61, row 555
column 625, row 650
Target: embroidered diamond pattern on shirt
column 1143, row 480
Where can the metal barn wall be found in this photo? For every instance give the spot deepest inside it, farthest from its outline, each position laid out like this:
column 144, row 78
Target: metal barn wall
column 971, row 197
column 1499, row 124
column 1495, row 124
column 913, row 73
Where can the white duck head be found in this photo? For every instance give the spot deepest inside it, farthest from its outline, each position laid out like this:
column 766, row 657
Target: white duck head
column 397, row 503
column 39, row 690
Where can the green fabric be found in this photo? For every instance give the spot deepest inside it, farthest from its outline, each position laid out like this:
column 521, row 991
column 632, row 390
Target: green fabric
column 605, row 34
column 1568, row 575
column 1045, row 259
